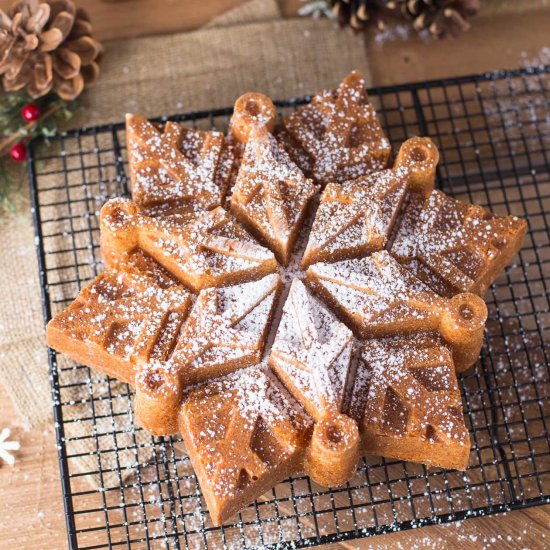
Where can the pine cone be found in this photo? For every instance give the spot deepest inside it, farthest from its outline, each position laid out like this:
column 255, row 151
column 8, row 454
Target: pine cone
column 355, row 13
column 440, row 17
column 47, row 46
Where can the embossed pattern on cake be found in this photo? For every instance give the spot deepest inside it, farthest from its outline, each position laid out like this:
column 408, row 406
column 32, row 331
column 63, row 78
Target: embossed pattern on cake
column 455, row 247
column 271, row 194
column 226, row 329
column 123, row 318
column 312, row 353
column 356, row 217
column 211, row 249
column 176, row 170
column 337, row 137
column 377, row 295
column 255, row 438
column 407, row 397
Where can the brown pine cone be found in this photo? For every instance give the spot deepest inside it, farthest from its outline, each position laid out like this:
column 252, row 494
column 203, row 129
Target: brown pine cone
column 47, row 45
column 355, row 13
column 440, row 17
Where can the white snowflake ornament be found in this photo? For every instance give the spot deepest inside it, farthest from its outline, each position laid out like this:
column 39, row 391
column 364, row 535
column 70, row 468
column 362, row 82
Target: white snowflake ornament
column 6, row 446
column 316, row 9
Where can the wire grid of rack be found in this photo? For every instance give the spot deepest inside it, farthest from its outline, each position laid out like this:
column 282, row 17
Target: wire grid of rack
column 124, row 488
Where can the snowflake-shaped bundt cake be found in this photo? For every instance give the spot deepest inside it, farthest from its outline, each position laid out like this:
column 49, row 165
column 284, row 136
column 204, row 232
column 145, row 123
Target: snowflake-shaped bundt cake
column 287, row 298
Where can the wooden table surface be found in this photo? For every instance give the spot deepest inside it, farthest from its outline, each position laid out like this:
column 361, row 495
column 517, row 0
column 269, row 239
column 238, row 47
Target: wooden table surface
column 31, row 507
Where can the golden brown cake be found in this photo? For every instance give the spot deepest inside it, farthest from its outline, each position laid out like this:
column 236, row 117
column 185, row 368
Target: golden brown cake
column 176, row 170
column 211, row 249
column 271, row 194
column 312, row 353
column 336, row 137
column 379, row 297
column 453, row 246
column 268, row 374
column 407, row 400
column 225, row 331
column 252, row 111
column 357, row 217
column 418, row 157
column 123, row 318
column 312, row 356
column 244, row 434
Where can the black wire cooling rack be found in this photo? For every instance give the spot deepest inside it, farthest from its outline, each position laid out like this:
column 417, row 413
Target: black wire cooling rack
column 124, row 488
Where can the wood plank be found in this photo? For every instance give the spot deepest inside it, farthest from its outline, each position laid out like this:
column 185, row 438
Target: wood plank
column 487, row 46
column 129, row 18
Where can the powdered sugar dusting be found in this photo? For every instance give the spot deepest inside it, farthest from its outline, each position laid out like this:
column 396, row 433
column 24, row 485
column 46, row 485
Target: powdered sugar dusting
column 356, row 217
column 122, row 314
column 207, row 249
column 312, row 353
column 226, row 329
column 425, row 399
column 455, row 247
column 177, row 166
column 376, row 294
column 337, row 136
column 243, row 429
column 231, row 442
column 271, row 194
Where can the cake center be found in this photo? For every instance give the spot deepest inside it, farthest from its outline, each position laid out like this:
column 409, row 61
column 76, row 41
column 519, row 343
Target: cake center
column 293, row 270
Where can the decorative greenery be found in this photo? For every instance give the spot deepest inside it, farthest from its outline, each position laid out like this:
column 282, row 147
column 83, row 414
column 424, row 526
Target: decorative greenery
column 16, row 131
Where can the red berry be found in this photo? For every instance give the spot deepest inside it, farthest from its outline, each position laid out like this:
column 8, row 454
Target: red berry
column 18, row 152
column 30, row 112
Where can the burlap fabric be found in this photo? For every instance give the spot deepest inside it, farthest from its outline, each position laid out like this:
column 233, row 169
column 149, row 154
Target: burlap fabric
column 250, row 48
